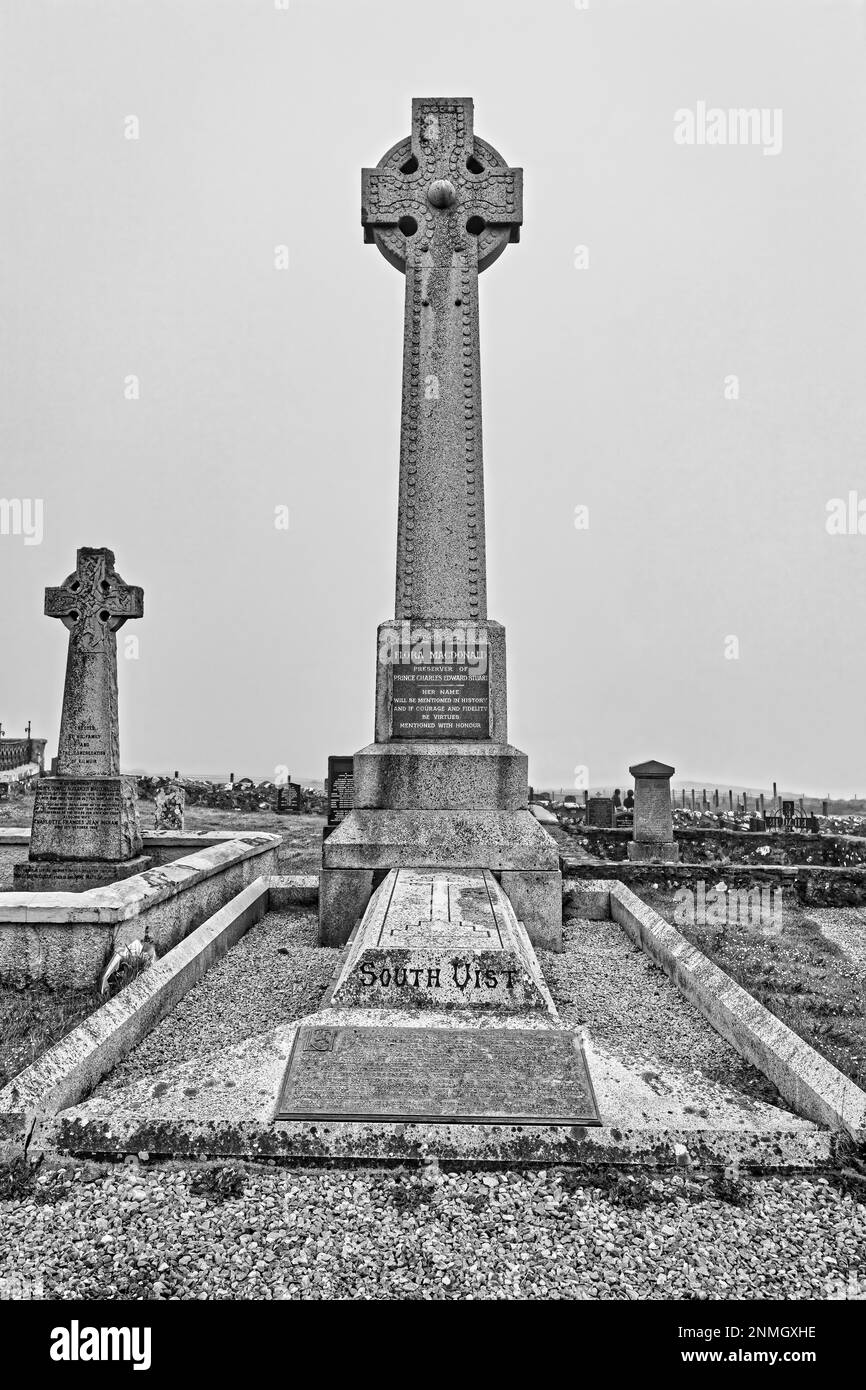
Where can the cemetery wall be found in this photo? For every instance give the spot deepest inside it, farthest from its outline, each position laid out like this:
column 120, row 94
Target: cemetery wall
column 818, row 886
column 706, row 846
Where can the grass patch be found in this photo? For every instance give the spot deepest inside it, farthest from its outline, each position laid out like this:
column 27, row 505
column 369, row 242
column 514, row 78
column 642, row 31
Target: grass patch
column 32, row 1019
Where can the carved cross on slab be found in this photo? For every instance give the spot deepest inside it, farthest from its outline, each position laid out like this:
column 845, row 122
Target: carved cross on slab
column 92, row 602
column 441, row 206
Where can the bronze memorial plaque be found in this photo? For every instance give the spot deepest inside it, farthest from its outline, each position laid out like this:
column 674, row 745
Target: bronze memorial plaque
column 449, row 700
column 493, row 1076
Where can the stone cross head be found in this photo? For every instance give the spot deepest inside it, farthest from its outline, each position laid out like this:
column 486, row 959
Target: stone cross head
column 93, row 601
column 442, row 190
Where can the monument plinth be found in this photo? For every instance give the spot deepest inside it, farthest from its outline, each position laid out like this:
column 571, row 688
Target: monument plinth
column 440, row 787
column 85, row 818
column 653, row 841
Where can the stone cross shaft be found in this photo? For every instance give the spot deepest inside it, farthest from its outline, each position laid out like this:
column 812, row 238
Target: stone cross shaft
column 441, row 206
column 92, row 603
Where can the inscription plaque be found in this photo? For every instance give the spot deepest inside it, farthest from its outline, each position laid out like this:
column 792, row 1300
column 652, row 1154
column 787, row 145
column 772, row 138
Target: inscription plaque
column 289, row 799
column 447, row 1075
column 341, row 788
column 449, row 700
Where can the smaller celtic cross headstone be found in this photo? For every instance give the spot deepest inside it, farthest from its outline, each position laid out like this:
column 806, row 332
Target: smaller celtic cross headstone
column 85, row 818
column 93, row 602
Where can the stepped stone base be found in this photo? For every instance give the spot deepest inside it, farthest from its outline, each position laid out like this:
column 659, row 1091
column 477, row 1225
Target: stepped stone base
column 369, row 843
column 653, row 851
column 75, row 875
column 441, row 776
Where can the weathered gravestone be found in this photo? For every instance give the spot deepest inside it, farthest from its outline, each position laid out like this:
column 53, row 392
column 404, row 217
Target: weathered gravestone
column 169, row 807
column 440, row 786
column 653, row 840
column 85, row 819
column 600, row 812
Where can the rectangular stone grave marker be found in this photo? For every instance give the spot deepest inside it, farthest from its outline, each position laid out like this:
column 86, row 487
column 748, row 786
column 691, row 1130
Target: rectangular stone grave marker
column 289, row 799
column 488, row 1076
column 653, row 821
column 600, row 812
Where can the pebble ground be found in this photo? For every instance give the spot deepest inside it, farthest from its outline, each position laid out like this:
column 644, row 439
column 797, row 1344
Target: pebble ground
column 276, row 973
column 605, row 983
column 141, row 1232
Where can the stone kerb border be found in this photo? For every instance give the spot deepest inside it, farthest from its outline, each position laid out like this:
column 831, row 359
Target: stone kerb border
column 69, row 1070
column 66, row 938
column 812, row 1085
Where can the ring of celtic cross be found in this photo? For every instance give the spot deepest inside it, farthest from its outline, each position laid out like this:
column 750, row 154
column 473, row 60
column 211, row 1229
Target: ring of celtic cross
column 435, row 193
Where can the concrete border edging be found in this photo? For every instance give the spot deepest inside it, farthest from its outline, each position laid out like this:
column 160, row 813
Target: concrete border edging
column 308, row 1143
column 588, row 899
column 811, row 1084
column 71, row 1067
column 62, row 939
column 293, row 890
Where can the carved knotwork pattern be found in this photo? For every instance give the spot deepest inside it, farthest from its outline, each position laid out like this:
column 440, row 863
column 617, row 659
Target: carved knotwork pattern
column 93, row 601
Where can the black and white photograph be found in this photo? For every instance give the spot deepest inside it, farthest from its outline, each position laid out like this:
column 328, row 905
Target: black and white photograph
column 432, row 855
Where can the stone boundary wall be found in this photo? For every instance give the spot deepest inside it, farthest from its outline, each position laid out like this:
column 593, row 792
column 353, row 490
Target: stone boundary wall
column 706, row 846
column 813, row 887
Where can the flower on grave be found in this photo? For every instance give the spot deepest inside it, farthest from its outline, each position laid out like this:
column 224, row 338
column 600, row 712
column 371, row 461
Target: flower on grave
column 132, row 958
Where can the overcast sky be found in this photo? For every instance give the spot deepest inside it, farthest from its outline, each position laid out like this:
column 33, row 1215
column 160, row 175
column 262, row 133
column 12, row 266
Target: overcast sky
column 604, row 386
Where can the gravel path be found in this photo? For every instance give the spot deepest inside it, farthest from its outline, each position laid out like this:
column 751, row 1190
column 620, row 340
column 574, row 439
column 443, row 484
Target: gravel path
column 140, row 1232
column 275, row 973
column 628, row 1004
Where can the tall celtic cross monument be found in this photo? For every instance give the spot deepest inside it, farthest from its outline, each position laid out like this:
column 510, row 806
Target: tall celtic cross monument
column 440, row 787
column 85, row 818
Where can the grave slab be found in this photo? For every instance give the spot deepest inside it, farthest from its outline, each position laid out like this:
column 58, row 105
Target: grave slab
column 436, row 940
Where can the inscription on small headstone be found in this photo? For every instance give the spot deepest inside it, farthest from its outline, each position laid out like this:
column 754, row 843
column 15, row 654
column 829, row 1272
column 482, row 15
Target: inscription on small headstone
column 289, row 799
